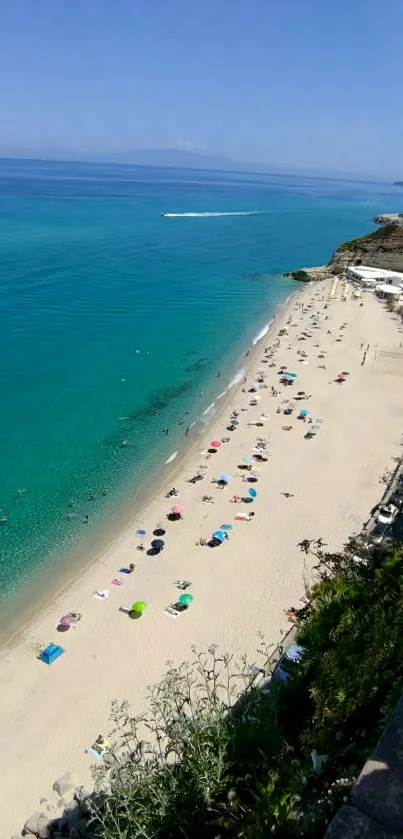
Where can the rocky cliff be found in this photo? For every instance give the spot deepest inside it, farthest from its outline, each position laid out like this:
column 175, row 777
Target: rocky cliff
column 383, row 249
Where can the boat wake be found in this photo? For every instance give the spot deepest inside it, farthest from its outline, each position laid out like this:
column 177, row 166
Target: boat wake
column 211, row 215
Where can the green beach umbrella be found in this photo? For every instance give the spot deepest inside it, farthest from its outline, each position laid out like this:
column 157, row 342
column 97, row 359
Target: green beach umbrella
column 186, row 599
column 139, row 606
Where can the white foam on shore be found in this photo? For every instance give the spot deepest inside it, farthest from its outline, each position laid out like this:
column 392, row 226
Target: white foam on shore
column 237, row 378
column 170, row 459
column 262, row 333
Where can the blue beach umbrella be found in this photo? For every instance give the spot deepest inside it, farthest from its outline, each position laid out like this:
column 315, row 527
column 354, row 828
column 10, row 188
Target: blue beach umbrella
column 234, row 421
column 304, row 412
column 140, row 533
column 225, row 478
column 226, row 527
column 219, row 535
column 252, row 492
column 247, row 460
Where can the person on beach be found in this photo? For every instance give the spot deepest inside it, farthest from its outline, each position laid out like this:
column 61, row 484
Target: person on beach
column 86, row 518
column 131, row 568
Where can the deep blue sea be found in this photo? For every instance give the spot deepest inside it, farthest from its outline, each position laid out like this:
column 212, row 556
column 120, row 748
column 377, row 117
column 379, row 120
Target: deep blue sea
column 115, row 322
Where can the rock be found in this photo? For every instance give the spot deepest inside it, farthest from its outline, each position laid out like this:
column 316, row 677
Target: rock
column 33, row 824
column 81, row 794
column 70, row 807
column 44, row 830
column 349, row 823
column 63, row 784
column 79, row 829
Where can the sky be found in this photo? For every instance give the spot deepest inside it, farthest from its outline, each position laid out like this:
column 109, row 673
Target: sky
column 306, row 83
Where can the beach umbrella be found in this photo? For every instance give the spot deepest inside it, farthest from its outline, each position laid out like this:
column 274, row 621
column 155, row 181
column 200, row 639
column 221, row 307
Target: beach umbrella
column 292, row 375
column 247, row 460
column 215, row 444
column 68, row 620
column 252, row 492
column 218, row 534
column 186, row 599
column 178, row 510
column 301, row 393
column 234, row 421
column 226, row 527
column 139, row 606
column 225, row 478
column 304, row 412
column 157, row 544
column 141, row 533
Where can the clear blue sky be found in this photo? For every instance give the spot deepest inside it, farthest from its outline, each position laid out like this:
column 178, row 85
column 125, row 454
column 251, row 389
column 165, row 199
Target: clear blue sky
column 314, row 83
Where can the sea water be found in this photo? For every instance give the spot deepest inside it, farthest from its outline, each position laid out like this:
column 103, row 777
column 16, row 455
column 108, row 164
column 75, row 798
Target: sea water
column 116, row 321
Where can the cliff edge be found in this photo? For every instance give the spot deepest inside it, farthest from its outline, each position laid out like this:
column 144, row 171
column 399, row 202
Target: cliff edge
column 383, row 248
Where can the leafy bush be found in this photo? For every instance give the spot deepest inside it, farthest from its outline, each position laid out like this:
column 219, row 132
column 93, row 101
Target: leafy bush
column 279, row 761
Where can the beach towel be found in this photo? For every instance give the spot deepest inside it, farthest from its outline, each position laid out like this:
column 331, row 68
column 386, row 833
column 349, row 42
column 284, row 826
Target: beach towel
column 116, row 582
column 170, row 612
column 182, row 584
column 101, row 595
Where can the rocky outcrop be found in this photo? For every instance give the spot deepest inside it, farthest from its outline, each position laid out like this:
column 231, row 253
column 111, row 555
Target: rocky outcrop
column 389, row 218
column 306, row 275
column 382, row 249
column 73, row 819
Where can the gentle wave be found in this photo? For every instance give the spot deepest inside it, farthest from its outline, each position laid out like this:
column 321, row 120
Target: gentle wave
column 211, row 215
column 237, row 378
column 261, row 334
column 170, row 459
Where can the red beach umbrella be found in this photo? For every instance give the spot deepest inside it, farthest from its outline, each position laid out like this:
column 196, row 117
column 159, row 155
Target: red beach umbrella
column 178, row 510
column 215, row 444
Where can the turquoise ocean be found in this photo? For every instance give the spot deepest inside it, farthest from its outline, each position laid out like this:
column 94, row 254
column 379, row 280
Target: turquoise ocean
column 115, row 322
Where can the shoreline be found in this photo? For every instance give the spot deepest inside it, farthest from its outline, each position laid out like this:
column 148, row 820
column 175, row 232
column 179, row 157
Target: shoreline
column 19, row 610
column 315, row 487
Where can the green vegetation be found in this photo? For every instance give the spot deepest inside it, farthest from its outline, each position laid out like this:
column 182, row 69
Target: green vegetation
column 380, row 235
column 191, row 769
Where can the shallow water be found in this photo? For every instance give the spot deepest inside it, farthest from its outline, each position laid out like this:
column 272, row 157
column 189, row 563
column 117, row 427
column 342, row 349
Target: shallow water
column 116, row 321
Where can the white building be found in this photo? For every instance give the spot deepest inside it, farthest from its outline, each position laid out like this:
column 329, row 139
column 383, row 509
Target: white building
column 365, row 275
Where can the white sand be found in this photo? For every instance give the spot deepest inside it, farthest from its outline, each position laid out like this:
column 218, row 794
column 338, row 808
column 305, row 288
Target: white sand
column 50, row 715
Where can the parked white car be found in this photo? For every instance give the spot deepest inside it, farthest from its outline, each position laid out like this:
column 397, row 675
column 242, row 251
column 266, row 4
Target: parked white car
column 387, row 514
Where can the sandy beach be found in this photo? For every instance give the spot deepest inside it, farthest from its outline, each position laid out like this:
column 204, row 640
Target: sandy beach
column 306, row 488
